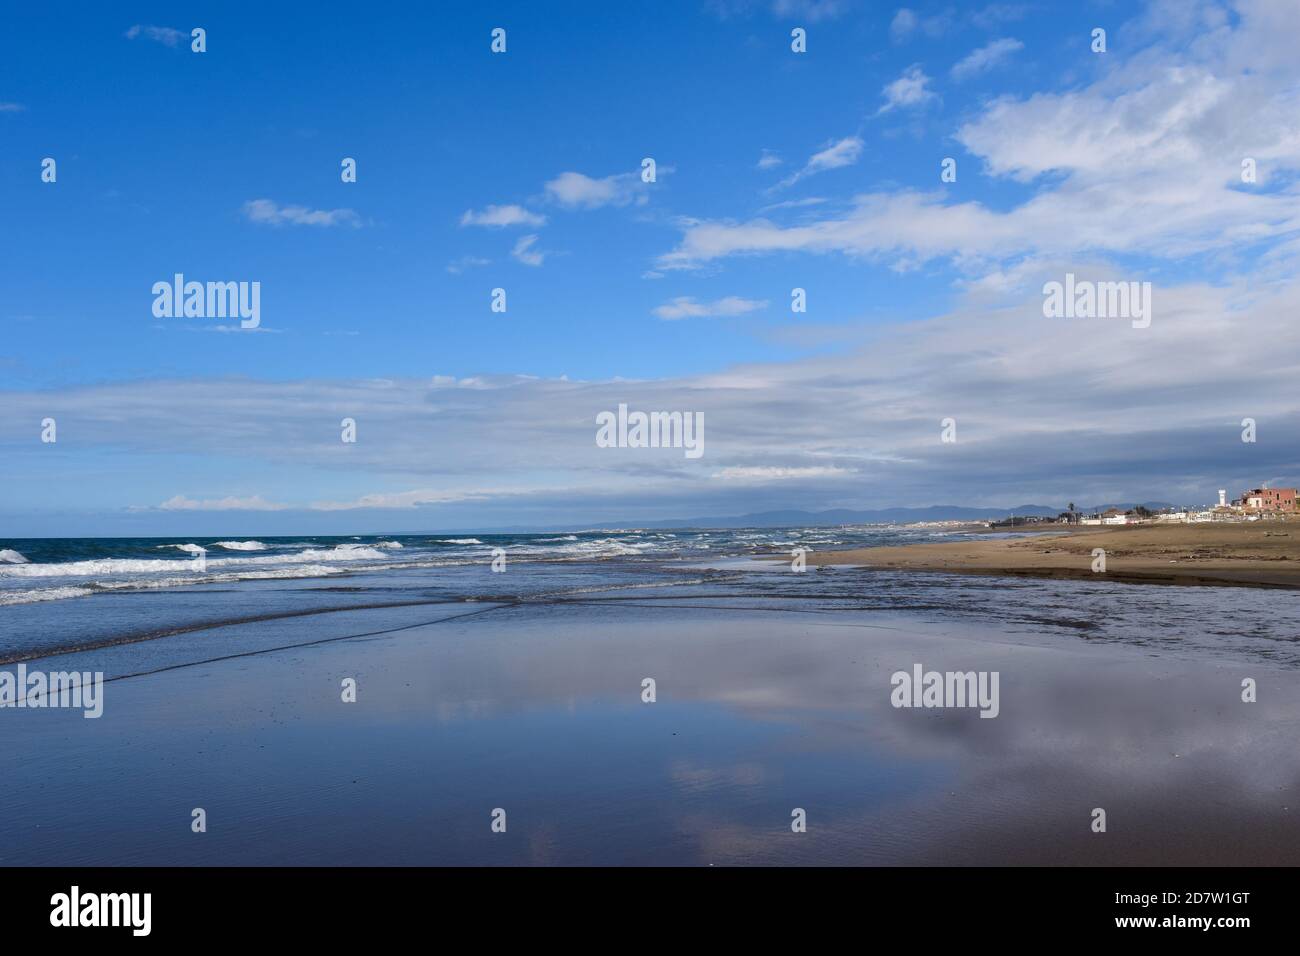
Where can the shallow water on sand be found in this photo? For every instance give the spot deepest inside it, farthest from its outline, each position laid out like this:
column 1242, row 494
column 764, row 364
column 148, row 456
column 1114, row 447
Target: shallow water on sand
column 523, row 691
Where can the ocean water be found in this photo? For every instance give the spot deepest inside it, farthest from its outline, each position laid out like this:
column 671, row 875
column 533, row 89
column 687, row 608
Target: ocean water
column 138, row 603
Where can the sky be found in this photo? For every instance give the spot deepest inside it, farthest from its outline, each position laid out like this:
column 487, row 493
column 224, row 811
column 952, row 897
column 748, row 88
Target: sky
column 524, row 171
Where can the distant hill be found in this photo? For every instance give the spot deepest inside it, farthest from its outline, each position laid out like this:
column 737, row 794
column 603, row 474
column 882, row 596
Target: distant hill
column 838, row 516
column 790, row 518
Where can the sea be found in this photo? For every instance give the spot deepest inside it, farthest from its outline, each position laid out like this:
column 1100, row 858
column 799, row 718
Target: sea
column 78, row 595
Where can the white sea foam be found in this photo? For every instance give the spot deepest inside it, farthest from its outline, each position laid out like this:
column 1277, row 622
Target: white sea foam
column 111, row 566
column 241, row 545
column 460, row 541
column 8, row 556
column 85, row 569
column 344, row 552
column 41, row 594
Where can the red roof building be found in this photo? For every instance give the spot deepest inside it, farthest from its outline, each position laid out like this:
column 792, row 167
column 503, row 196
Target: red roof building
column 1269, row 499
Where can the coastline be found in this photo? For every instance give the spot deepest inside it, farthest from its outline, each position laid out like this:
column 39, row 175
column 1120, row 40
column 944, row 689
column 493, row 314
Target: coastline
column 1260, row 554
column 476, row 690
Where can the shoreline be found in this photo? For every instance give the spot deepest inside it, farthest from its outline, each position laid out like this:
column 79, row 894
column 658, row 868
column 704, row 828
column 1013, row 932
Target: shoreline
column 1210, row 554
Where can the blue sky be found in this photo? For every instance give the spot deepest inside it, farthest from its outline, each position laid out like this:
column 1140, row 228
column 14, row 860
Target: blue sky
column 775, row 170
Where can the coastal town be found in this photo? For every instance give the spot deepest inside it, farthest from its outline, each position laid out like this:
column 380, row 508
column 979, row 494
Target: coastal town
column 1255, row 504
column 1248, row 541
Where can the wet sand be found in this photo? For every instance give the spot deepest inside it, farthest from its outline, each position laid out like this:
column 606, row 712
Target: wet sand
column 1258, row 554
column 538, row 710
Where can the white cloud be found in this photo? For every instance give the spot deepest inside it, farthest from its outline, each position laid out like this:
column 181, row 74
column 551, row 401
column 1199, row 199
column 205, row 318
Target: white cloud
column 762, row 473
column 901, row 27
column 1045, row 408
column 686, row 307
column 1137, row 163
column 269, row 212
column 844, row 152
column 906, row 22
column 909, row 90
column 11, row 107
column 255, row 503
column 574, row 190
column 995, row 14
column 813, row 11
column 985, row 58
column 501, row 216
column 768, row 160
column 794, row 204
column 464, row 263
column 525, row 253
column 403, row 499
column 167, row 36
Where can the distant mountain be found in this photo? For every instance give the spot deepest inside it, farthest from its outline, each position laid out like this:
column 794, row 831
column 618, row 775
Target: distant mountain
column 838, row 516
column 791, row 518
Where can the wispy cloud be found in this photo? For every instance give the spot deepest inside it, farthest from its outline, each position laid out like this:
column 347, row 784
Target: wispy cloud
column 809, row 11
column 812, row 11
column 794, row 204
column 417, row 498
column 844, row 152
column 578, row 191
column 686, row 307
column 995, row 14
column 985, row 58
column 464, row 263
column 1105, row 419
column 1148, row 136
column 525, row 251
column 911, row 89
column 764, row 473
column 269, row 212
column 907, row 22
column 253, row 503
column 768, row 160
column 167, row 36
column 501, row 216
column 11, row 107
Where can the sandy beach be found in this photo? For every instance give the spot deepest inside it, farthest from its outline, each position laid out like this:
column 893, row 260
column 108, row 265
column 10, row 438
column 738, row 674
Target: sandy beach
column 524, row 691
column 538, row 711
column 1258, row 554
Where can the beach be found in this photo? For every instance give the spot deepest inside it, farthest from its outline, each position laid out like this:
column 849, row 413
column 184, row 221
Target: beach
column 1256, row 554
column 524, row 692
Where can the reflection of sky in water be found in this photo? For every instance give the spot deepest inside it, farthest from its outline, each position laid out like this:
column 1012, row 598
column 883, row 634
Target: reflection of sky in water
column 537, row 709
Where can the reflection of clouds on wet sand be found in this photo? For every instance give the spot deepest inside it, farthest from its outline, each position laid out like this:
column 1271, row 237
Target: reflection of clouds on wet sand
column 1167, row 746
column 688, row 776
column 758, row 712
